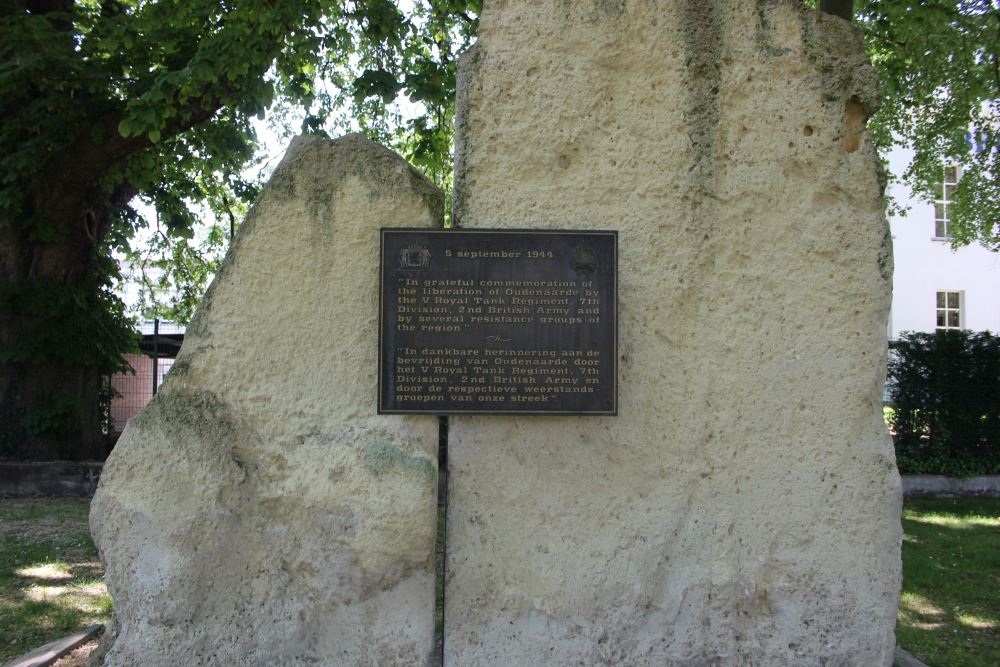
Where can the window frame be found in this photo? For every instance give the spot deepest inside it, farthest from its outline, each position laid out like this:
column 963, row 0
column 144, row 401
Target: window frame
column 945, row 197
column 951, row 306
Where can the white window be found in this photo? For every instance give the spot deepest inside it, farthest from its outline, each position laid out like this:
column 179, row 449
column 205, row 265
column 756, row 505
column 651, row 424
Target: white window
column 943, row 202
column 949, row 310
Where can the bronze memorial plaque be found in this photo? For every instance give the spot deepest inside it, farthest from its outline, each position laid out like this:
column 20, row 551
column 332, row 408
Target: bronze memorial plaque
column 498, row 322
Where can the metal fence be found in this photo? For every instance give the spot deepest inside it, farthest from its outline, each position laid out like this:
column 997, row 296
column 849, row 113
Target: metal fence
column 160, row 344
column 133, row 392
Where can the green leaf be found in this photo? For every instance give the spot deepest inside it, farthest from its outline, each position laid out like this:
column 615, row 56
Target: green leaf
column 376, row 83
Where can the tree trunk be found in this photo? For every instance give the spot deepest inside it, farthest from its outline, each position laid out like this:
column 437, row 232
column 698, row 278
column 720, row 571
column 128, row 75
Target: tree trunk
column 59, row 331
column 51, row 412
column 49, row 380
column 57, row 338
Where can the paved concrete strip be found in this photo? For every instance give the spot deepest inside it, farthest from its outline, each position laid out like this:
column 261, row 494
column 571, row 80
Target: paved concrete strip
column 48, row 654
column 939, row 486
column 903, row 659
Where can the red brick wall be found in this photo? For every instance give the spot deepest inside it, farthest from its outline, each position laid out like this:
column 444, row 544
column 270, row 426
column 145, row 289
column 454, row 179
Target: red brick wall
column 136, row 390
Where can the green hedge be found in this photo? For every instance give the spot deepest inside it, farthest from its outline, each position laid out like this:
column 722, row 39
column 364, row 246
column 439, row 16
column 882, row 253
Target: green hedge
column 944, row 388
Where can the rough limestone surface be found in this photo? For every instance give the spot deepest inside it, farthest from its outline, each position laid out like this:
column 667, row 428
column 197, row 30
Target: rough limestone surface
column 743, row 508
column 257, row 511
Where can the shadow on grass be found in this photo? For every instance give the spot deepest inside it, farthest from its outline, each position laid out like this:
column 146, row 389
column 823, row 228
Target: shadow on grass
column 51, row 582
column 949, row 610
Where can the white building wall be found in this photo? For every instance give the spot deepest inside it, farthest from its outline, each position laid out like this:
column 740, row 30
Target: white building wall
column 925, row 266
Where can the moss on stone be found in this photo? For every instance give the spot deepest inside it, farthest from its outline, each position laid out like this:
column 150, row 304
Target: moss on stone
column 765, row 35
column 837, row 50
column 381, row 457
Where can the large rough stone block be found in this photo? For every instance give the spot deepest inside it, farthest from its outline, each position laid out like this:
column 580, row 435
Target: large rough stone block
column 743, row 508
column 258, row 512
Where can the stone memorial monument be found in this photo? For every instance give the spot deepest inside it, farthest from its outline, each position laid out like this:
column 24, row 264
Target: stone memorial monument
column 258, row 511
column 743, row 507
column 735, row 503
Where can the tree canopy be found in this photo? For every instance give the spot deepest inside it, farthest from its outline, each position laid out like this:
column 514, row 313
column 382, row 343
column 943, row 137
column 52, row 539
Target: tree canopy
column 940, row 73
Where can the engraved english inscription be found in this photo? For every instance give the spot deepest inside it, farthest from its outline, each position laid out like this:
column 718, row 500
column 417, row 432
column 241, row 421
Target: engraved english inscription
column 498, row 322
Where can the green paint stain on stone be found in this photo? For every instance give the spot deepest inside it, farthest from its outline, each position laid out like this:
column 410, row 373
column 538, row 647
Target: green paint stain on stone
column 380, row 457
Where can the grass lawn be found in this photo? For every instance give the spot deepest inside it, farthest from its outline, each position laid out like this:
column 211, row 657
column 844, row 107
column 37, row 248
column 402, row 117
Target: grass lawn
column 51, row 582
column 949, row 612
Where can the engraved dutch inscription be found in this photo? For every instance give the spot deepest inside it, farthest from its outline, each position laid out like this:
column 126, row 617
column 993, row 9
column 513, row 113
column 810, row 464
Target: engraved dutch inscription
column 498, row 322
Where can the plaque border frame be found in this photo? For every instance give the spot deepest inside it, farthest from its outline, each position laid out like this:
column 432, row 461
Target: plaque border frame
column 383, row 231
